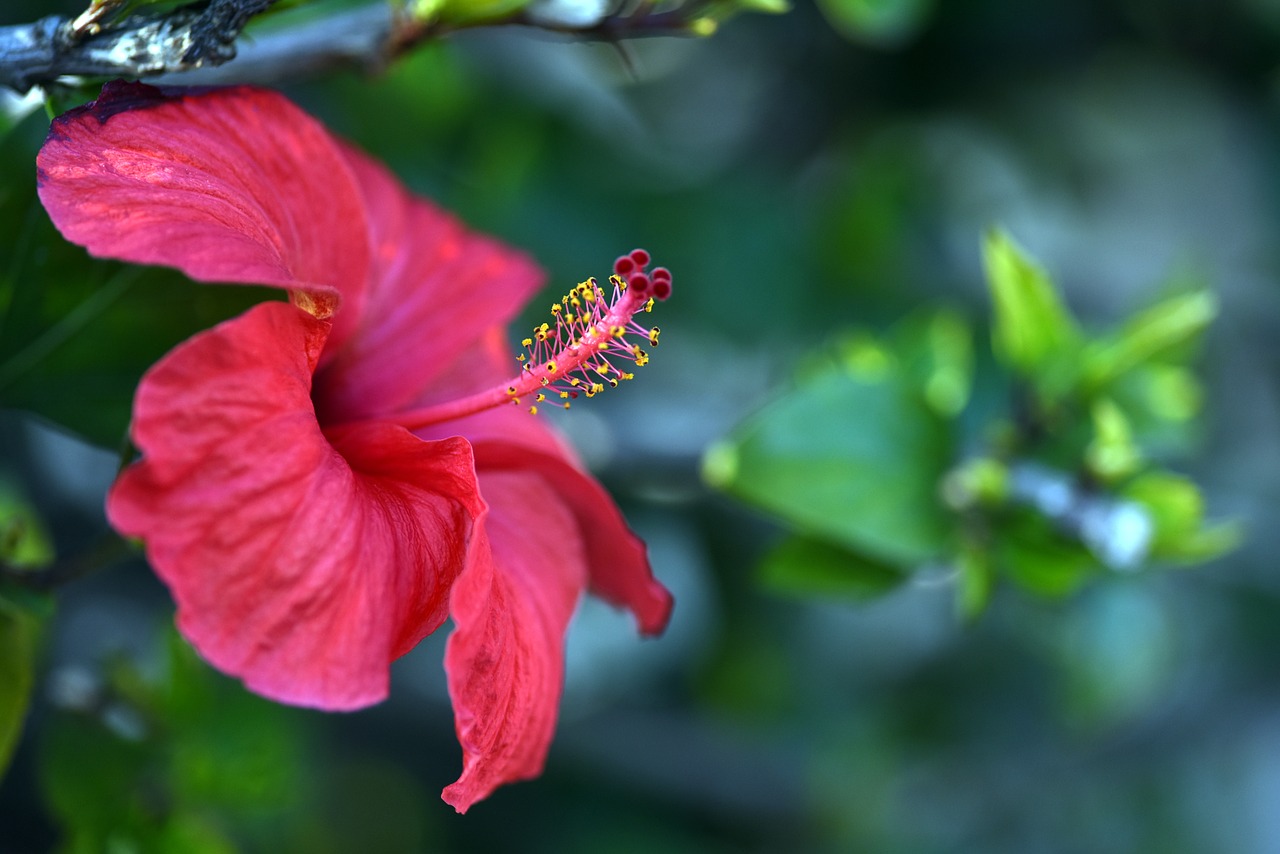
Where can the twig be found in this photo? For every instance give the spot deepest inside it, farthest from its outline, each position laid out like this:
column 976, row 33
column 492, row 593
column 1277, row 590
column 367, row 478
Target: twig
column 140, row 46
column 107, row 550
column 194, row 45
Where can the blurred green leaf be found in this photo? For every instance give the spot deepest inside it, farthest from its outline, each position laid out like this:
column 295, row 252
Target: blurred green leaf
column 1032, row 328
column 99, row 800
column 852, row 454
column 975, row 581
column 880, row 22
column 19, row 631
column 192, row 833
column 464, row 12
column 937, row 348
column 767, row 7
column 24, row 544
column 1112, row 453
column 233, row 750
column 1038, row 559
column 1171, row 392
column 978, row 481
column 1169, row 324
column 181, row 756
column 76, row 333
column 807, row 567
column 14, row 108
column 1177, row 508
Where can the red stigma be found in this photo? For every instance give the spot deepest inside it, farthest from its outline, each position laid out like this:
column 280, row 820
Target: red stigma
column 631, row 268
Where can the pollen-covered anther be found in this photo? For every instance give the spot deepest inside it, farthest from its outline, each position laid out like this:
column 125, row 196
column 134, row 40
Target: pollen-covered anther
column 578, row 352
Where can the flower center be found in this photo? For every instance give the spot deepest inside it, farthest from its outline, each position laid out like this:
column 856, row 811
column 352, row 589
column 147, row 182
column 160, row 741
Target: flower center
column 590, row 344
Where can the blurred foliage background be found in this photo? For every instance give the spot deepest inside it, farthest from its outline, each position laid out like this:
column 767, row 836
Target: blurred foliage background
column 821, row 183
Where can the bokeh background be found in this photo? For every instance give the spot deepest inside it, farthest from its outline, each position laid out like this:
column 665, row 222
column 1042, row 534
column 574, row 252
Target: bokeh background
column 800, row 179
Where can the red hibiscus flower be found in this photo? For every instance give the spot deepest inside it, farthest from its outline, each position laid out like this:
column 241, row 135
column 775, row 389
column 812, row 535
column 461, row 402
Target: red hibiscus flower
column 324, row 481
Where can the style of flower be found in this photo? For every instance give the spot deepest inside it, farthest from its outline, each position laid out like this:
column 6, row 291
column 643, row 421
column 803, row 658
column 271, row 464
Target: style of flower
column 324, row 481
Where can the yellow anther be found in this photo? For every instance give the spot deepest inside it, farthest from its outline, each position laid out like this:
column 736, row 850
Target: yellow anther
column 520, row 357
column 574, row 381
column 564, row 395
column 555, row 308
column 527, row 342
column 617, row 331
column 628, row 376
column 653, row 336
column 540, row 397
column 511, row 389
column 551, row 367
column 533, row 410
column 604, row 345
column 545, row 382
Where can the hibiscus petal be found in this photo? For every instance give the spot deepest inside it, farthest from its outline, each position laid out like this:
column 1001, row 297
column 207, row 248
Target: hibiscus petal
column 301, row 563
column 505, row 660
column 231, row 185
column 435, row 289
column 509, row 438
column 617, row 560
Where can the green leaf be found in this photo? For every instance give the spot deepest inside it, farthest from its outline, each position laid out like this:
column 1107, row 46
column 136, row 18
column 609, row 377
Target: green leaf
column 1032, row 329
column 76, row 334
column 14, row 108
column 975, row 581
column 767, row 7
column 1175, row 322
column 853, row 454
column 19, row 633
column 802, row 566
column 464, row 12
column 181, row 755
column 937, row 349
column 1112, row 454
column 880, row 22
column 1177, row 507
column 1038, row 559
column 24, row 544
column 96, row 801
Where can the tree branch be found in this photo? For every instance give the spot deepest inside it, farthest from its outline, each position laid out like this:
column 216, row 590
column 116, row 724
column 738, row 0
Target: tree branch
column 140, row 46
column 194, row 45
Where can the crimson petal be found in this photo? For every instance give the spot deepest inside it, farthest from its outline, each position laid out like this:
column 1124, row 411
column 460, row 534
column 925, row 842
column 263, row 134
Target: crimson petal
column 301, row 563
column 617, row 559
column 510, row 439
column 232, row 185
column 505, row 660
column 435, row 289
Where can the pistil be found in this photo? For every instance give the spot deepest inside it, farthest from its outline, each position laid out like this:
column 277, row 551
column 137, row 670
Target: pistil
column 590, row 344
